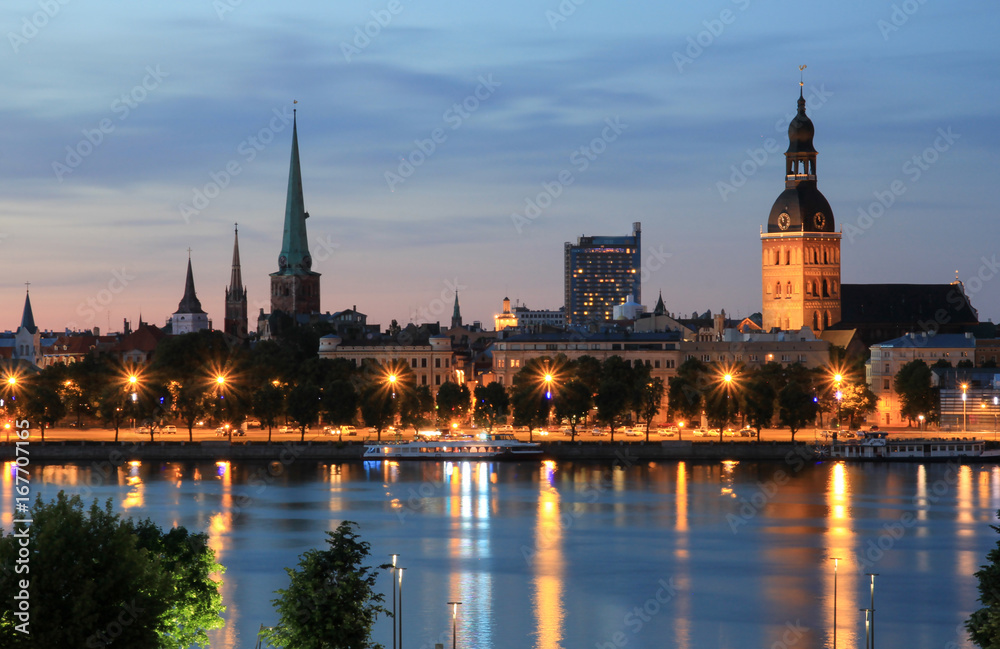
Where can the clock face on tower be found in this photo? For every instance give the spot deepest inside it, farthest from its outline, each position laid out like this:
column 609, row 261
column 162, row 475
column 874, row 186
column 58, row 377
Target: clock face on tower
column 819, row 220
column 784, row 220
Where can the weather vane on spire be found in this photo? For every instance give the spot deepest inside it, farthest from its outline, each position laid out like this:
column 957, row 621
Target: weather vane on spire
column 802, row 75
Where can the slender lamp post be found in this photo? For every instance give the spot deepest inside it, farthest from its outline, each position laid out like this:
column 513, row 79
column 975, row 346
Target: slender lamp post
column 399, row 571
column 548, row 394
column 873, row 575
column 392, row 570
column 867, row 627
column 996, row 401
column 836, row 560
column 454, row 622
column 727, row 379
column 837, row 378
column 965, row 424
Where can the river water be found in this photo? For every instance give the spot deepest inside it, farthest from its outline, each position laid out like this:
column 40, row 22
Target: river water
column 585, row 555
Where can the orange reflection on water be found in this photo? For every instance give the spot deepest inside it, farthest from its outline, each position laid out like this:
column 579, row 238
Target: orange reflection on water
column 548, row 565
column 7, row 504
column 964, row 505
column 839, row 571
column 136, row 495
column 219, row 528
column 682, row 621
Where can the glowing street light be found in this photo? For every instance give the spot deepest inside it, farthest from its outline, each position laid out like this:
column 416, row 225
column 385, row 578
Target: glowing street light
column 838, row 378
column 454, row 623
column 965, row 418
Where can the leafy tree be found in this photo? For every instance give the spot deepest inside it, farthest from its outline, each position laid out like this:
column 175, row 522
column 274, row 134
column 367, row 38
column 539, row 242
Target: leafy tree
column 528, row 403
column 340, row 402
column 984, row 625
column 796, row 406
column 573, row 403
column 99, row 580
column 650, row 401
column 43, row 406
column 415, row 406
column 587, row 370
column 378, row 408
column 758, row 402
column 191, row 401
column 492, row 404
column 304, row 406
column 330, row 602
column 453, row 401
column 857, row 401
column 267, row 403
column 685, row 399
column 913, row 385
column 966, row 362
column 614, row 392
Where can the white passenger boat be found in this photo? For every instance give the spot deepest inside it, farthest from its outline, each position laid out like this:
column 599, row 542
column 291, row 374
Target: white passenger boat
column 877, row 446
column 497, row 446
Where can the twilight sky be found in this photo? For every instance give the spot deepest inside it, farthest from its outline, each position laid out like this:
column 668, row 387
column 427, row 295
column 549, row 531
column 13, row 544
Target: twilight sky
column 137, row 130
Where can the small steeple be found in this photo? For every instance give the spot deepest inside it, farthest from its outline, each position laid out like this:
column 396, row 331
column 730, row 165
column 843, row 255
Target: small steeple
column 456, row 314
column 189, row 303
column 660, row 308
column 236, row 278
column 27, row 317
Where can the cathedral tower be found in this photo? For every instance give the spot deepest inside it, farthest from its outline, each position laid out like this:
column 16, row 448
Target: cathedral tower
column 295, row 286
column 800, row 264
column 236, row 297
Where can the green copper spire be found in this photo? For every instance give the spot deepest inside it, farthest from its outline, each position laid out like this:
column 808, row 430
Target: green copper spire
column 295, row 258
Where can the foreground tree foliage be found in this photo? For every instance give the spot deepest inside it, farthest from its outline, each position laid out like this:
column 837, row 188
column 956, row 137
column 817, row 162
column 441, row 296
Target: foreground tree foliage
column 984, row 625
column 331, row 601
column 99, row 580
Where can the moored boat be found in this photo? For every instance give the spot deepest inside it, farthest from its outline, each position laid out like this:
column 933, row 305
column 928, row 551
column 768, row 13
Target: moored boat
column 878, row 446
column 497, row 446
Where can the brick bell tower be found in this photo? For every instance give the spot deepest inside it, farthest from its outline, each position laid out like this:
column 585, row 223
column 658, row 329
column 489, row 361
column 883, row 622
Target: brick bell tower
column 295, row 287
column 800, row 260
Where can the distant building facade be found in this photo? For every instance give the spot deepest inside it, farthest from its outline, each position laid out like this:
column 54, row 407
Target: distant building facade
column 189, row 316
column 433, row 364
column 600, row 272
column 888, row 357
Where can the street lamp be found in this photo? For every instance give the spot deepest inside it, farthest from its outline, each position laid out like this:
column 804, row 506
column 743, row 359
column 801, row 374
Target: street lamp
column 965, row 427
column 921, row 418
column 393, row 571
column 867, row 627
column 837, row 379
column 873, row 575
column 399, row 571
column 996, row 401
column 454, row 621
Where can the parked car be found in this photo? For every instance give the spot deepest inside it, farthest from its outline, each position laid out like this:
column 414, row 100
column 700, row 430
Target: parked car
column 746, row 431
column 253, row 423
column 599, row 432
column 285, row 429
column 170, row 430
column 636, row 431
column 667, row 431
column 142, row 430
column 698, row 432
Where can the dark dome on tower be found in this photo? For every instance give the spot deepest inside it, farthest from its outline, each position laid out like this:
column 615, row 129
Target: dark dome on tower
column 806, row 207
column 801, row 131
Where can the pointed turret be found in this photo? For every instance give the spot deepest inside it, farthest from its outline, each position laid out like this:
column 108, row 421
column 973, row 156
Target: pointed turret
column 295, row 286
column 190, row 302
column 189, row 315
column 236, row 296
column 456, row 314
column 27, row 317
column 660, row 308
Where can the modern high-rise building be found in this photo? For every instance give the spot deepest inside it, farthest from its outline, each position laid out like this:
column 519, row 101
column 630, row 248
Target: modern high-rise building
column 601, row 272
column 295, row 285
column 800, row 256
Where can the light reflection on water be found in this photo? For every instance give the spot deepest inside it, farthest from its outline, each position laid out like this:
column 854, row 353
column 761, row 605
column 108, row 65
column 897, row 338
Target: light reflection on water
column 569, row 555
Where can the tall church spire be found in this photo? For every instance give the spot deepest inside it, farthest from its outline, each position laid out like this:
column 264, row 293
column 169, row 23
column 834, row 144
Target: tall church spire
column 27, row 317
column 456, row 314
column 189, row 316
column 236, row 296
column 295, row 286
column 190, row 302
column 294, row 257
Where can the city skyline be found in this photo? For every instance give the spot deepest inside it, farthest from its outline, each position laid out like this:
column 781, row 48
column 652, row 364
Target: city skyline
column 634, row 104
